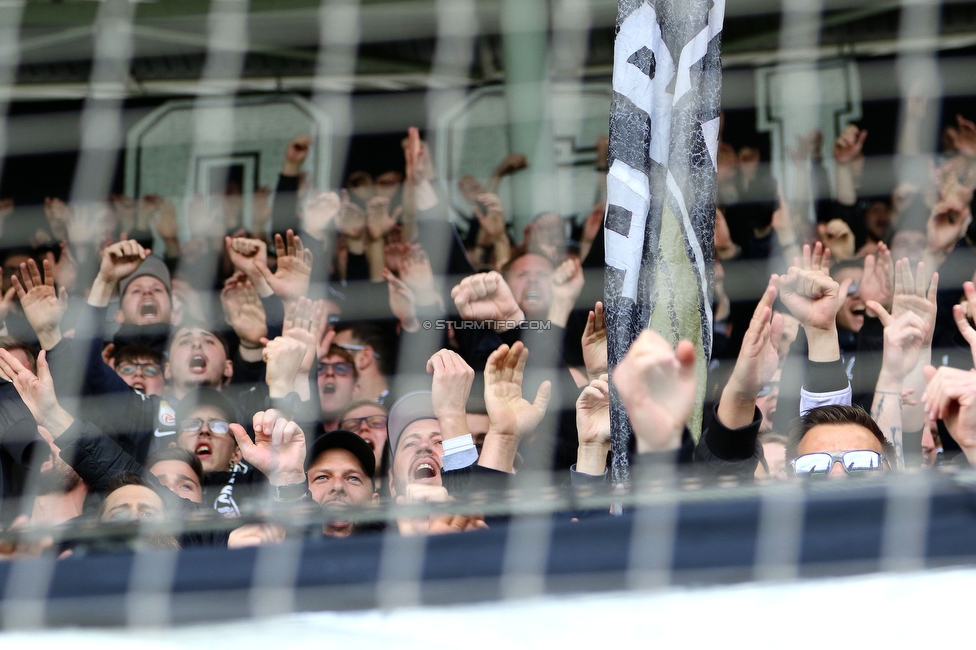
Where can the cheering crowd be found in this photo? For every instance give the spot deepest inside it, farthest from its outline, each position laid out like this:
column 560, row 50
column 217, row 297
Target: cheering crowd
column 349, row 350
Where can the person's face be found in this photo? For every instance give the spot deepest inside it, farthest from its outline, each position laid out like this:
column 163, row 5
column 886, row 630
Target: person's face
column 55, row 474
column 910, row 244
column 142, row 374
column 529, row 279
column 197, row 358
column 375, row 437
column 478, row 427
column 336, row 480
column 388, row 183
column 217, row 452
column 877, row 219
column 775, row 454
column 179, row 478
column 145, row 301
column 838, row 437
column 336, row 384
column 851, row 314
column 133, row 503
column 11, row 266
column 418, row 456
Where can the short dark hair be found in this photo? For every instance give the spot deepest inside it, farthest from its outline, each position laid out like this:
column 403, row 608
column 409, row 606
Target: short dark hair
column 134, row 352
column 375, row 337
column 191, row 324
column 835, row 414
column 123, row 479
column 178, row 454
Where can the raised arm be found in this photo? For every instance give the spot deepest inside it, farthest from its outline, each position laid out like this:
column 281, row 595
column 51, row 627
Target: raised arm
column 511, row 417
column 903, row 337
column 277, row 451
column 657, row 387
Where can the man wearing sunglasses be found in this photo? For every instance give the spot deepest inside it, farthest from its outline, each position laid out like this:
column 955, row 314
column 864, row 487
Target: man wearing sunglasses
column 835, row 442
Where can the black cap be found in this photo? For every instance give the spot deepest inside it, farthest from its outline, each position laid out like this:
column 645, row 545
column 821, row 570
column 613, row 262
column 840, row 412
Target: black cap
column 342, row 439
column 205, row 396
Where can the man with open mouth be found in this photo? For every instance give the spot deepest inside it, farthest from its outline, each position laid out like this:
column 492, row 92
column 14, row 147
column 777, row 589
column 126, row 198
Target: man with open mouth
column 146, row 294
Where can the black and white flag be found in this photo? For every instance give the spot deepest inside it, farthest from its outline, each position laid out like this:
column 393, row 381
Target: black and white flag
column 664, row 124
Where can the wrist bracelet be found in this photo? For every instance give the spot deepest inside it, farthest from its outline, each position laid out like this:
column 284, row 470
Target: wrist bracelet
column 250, row 347
column 293, row 492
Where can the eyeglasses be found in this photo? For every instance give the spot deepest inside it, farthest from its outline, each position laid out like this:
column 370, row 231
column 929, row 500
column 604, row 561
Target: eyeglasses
column 339, row 368
column 193, row 425
column 854, row 289
column 355, row 348
column 854, row 462
column 374, row 422
column 149, row 369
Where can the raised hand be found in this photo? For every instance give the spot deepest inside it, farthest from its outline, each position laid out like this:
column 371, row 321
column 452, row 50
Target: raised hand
column 492, row 218
column 243, row 310
column 245, row 254
column 810, row 294
column 320, row 213
column 439, row 523
column 417, row 158
column 593, row 426
column 913, row 296
column 486, row 296
column 37, row 391
column 838, row 238
column 6, row 303
column 756, row 365
column 278, row 449
column 402, row 302
column 120, row 260
column 450, row 390
column 657, row 387
column 416, row 272
column 304, row 322
column 295, row 154
column 291, row 277
column 510, row 415
column 903, row 338
column 947, row 224
column 879, row 273
column 567, row 284
column 283, row 357
column 950, row 396
column 513, row 162
column 963, row 137
column 379, row 219
column 963, row 312
column 848, row 145
column 594, row 343
column 352, row 219
column 42, row 304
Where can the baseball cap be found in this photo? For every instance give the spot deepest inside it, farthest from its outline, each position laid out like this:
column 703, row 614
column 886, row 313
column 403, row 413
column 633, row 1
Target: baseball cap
column 342, row 439
column 407, row 410
column 152, row 266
